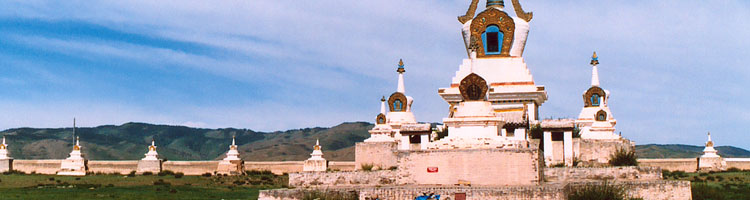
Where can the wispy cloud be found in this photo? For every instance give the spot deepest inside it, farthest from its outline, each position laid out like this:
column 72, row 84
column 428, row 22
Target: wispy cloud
column 675, row 68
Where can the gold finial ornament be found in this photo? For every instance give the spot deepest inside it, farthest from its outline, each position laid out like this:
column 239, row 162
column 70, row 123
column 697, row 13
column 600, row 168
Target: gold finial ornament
column 400, row 66
column 594, row 59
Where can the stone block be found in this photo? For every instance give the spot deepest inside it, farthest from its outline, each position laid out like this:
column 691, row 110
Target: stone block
column 6, row 165
column 153, row 166
column 230, row 167
column 73, row 167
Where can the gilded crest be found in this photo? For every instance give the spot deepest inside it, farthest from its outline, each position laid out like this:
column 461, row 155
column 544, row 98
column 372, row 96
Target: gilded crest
column 601, row 115
column 380, row 119
column 473, row 88
column 593, row 102
column 397, row 102
column 498, row 18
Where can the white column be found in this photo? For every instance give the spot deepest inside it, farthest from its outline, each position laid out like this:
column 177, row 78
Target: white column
column 568, row 148
column 401, row 87
column 423, row 140
column 405, row 142
column 547, row 147
column 595, row 76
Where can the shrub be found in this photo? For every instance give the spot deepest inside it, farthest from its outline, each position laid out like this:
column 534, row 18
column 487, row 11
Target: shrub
column 703, row 174
column 733, row 169
column 179, row 175
column 367, row 166
column 623, row 157
column 393, row 168
column 710, row 178
column 148, row 173
column 206, row 174
column 604, row 191
column 161, row 182
column 558, row 165
column 131, row 174
column 665, row 174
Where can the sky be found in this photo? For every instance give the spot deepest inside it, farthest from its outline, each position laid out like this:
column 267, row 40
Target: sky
column 676, row 69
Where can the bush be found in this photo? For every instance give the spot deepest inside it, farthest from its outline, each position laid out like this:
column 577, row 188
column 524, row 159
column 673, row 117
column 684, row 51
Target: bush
column 367, row 167
column 148, row 173
column 604, row 191
column 665, row 174
column 206, row 174
column 131, row 174
column 733, row 169
column 179, row 175
column 623, row 157
column 161, row 182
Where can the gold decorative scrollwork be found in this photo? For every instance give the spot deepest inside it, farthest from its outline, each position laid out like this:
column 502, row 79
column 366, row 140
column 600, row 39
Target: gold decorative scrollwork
column 380, row 119
column 473, row 88
column 520, row 13
column 502, row 20
column 397, row 97
column 469, row 13
column 590, row 92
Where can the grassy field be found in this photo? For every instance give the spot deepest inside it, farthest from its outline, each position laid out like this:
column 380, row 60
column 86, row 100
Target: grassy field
column 51, row 187
column 731, row 184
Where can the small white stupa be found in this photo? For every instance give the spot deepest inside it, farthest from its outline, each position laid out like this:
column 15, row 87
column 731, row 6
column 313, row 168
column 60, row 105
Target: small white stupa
column 710, row 160
column 232, row 164
column 152, row 155
column 6, row 162
column 4, row 150
column 75, row 165
column 316, row 162
column 150, row 163
column 382, row 131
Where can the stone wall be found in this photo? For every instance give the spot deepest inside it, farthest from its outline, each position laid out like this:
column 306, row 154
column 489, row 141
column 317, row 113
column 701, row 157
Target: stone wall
column 530, row 192
column 596, row 152
column 673, row 164
column 109, row 167
column 379, row 154
column 276, row 167
column 475, row 166
column 191, row 167
column 739, row 163
column 37, row 166
column 341, row 166
column 567, row 174
column 648, row 190
column 338, row 179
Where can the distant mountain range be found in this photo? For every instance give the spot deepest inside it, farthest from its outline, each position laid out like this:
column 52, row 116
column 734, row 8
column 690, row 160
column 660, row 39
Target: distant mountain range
column 129, row 142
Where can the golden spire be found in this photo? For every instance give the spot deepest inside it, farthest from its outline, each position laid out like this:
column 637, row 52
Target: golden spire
column 594, row 59
column 400, row 66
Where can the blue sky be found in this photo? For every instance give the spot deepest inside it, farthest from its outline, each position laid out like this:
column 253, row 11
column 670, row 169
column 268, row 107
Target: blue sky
column 676, row 69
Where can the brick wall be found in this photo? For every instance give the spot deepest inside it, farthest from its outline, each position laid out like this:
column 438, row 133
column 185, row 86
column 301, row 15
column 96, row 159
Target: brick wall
column 477, row 166
column 648, row 190
column 276, row 167
column 673, row 164
column 597, row 152
column 379, row 154
column 338, row 179
column 108, row 167
column 191, row 167
column 37, row 166
column 567, row 174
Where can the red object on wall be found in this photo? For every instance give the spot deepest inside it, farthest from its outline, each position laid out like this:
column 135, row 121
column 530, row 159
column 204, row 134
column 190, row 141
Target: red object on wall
column 432, row 169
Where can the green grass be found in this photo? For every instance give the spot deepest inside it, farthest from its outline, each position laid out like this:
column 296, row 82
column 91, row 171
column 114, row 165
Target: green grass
column 716, row 185
column 17, row 186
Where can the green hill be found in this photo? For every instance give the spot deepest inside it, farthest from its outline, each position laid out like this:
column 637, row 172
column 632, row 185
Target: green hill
column 129, row 142
column 686, row 151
